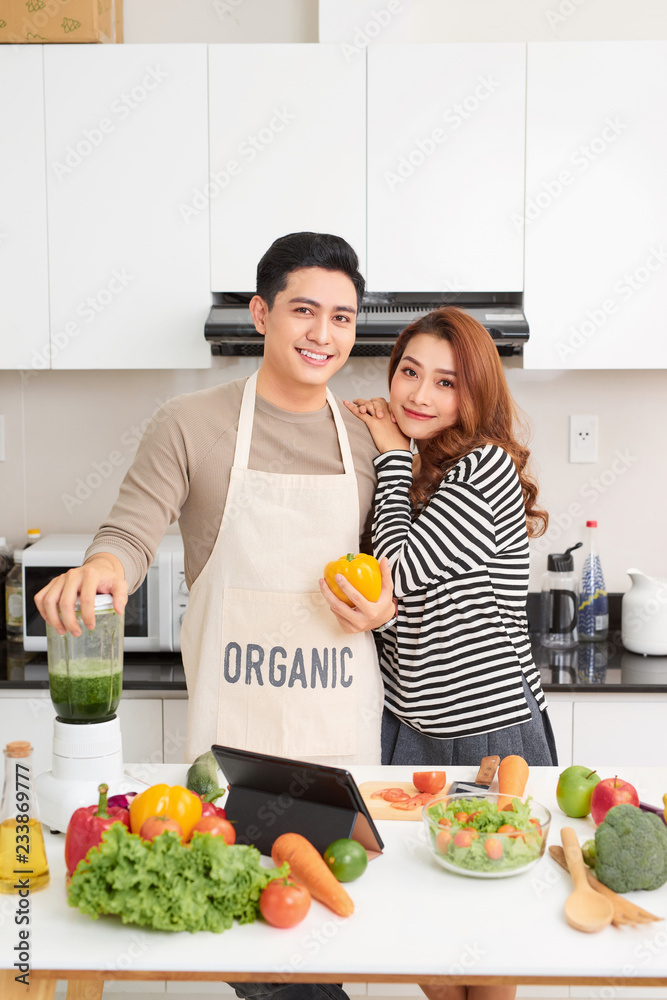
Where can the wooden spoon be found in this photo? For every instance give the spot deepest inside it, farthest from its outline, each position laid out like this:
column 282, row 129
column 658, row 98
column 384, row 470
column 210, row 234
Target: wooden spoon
column 585, row 910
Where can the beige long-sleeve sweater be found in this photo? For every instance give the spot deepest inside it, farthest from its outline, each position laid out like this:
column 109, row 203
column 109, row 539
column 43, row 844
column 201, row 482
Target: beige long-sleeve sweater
column 181, row 472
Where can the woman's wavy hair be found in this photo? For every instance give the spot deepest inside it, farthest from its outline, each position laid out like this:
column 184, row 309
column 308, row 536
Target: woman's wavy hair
column 487, row 411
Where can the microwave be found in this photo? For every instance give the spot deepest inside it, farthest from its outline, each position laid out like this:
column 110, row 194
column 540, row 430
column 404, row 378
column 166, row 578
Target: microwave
column 153, row 614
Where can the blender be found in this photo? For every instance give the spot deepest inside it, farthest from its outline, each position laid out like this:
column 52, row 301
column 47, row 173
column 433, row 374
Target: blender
column 85, row 683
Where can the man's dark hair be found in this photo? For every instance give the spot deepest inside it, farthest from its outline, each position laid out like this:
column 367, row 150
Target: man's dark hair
column 289, row 253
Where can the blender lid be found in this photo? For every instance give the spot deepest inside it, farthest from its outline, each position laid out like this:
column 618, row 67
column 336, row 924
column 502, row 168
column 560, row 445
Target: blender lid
column 102, row 602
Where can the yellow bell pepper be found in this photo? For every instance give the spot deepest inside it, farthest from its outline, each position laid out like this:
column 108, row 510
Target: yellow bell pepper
column 362, row 571
column 175, row 801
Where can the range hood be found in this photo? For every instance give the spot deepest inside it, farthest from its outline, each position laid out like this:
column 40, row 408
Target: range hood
column 230, row 330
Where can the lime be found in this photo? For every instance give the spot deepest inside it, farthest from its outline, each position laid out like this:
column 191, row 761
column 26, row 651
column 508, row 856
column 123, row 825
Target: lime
column 346, row 858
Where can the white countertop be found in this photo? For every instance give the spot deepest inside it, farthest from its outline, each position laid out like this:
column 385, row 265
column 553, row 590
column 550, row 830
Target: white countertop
column 411, row 917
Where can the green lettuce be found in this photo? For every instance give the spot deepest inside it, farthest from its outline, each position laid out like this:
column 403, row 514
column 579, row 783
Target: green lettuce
column 202, row 886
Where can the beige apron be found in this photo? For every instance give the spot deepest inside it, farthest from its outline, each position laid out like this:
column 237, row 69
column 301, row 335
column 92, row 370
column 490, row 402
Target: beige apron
column 267, row 665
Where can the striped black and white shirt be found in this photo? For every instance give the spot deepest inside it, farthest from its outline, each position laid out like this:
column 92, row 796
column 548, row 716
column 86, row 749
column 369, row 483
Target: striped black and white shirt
column 453, row 663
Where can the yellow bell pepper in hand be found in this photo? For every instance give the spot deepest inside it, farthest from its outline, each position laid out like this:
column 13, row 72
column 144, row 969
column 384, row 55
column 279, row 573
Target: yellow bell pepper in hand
column 362, row 571
column 164, row 800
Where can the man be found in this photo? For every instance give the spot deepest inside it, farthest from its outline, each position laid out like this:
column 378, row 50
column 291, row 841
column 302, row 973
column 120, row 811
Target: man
column 270, row 479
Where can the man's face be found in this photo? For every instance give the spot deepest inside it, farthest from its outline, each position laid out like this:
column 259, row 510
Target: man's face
column 310, row 330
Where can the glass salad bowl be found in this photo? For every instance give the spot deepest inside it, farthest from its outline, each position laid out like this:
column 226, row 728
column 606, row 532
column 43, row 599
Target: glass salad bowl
column 486, row 836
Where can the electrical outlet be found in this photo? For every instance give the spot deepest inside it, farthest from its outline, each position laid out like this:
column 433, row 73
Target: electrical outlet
column 583, row 439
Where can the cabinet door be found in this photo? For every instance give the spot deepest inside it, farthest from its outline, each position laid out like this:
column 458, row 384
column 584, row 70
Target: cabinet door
column 24, row 298
column 596, row 203
column 445, row 167
column 126, row 148
column 288, row 152
column 625, row 733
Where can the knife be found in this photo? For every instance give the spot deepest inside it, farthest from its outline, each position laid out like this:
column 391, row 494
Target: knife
column 482, row 783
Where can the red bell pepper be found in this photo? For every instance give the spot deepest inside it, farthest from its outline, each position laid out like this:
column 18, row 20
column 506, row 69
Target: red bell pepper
column 210, row 809
column 87, row 825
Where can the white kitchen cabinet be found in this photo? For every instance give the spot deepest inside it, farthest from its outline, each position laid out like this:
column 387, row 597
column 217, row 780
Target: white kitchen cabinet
column 445, row 167
column 288, row 152
column 621, row 733
column 24, row 296
column 561, row 718
column 596, row 204
column 126, row 148
column 174, row 724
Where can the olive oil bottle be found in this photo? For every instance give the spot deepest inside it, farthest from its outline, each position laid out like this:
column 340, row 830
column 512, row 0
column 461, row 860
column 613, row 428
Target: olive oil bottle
column 23, row 863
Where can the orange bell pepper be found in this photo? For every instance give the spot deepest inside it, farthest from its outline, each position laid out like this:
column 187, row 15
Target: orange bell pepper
column 174, row 801
column 362, row 571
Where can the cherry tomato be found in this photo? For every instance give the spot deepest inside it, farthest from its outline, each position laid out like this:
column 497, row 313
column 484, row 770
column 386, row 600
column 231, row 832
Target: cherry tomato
column 493, row 848
column 218, row 827
column 429, row 781
column 472, row 830
column 442, row 841
column 471, row 816
column 506, row 828
column 536, row 824
column 155, row 825
column 444, row 821
column 284, row 904
column 461, row 817
column 464, row 838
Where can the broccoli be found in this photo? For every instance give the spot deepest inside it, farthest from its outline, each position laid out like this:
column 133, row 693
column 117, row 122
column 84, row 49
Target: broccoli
column 631, row 849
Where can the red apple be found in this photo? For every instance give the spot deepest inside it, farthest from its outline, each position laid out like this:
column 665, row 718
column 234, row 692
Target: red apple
column 611, row 792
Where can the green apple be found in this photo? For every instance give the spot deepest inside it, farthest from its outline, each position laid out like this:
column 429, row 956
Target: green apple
column 574, row 790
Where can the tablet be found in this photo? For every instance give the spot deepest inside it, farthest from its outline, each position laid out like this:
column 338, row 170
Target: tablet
column 269, row 796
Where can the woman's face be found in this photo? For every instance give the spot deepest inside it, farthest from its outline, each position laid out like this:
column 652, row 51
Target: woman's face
column 423, row 393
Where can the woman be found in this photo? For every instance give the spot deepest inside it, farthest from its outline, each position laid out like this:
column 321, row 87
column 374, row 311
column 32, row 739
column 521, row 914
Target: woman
column 454, row 522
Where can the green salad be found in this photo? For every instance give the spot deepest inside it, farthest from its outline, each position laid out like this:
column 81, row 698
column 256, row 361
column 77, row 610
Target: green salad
column 473, row 834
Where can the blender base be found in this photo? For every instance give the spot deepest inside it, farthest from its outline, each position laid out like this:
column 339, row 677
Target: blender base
column 84, row 756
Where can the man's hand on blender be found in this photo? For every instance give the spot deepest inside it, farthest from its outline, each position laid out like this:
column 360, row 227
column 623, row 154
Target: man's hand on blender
column 103, row 573
column 365, row 615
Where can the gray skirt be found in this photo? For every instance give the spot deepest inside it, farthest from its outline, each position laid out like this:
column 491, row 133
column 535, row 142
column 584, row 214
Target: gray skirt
column 534, row 741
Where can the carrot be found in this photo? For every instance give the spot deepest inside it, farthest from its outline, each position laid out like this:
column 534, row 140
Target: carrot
column 512, row 779
column 309, row 868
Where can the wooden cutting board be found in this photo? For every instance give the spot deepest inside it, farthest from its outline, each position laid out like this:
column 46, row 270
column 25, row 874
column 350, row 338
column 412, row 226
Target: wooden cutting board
column 379, row 809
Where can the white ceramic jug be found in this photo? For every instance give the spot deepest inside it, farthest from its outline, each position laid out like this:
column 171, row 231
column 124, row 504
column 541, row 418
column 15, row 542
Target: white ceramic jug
column 644, row 615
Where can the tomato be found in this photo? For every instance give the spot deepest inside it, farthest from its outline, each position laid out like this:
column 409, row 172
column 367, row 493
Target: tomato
column 461, row 817
column 536, row 824
column 422, row 799
column 155, row 825
column 444, row 821
column 471, row 816
column 511, row 831
column 472, row 830
column 346, row 858
column 395, row 795
column 284, row 904
column 218, row 827
column 429, row 781
column 493, row 848
column 464, row 838
column 442, row 841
